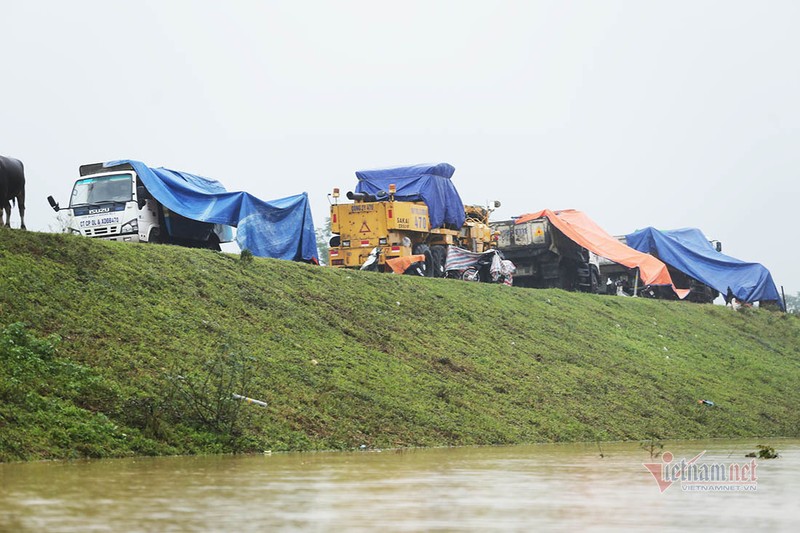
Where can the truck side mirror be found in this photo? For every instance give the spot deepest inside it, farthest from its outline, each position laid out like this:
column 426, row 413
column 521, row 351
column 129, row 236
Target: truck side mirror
column 53, row 203
column 719, row 246
column 141, row 195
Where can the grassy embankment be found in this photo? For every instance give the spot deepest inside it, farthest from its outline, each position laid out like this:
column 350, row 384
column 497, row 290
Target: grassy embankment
column 136, row 349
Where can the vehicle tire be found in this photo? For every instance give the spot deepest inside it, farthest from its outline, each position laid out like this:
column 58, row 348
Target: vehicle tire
column 213, row 243
column 439, row 254
column 155, row 236
column 430, row 266
column 564, row 281
column 420, row 248
column 424, row 249
column 595, row 281
column 471, row 274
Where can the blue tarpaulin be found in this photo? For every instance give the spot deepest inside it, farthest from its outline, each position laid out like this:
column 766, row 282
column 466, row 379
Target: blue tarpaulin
column 689, row 251
column 282, row 229
column 427, row 183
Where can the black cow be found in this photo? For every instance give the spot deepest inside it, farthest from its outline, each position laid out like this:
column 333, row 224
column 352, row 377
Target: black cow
column 12, row 188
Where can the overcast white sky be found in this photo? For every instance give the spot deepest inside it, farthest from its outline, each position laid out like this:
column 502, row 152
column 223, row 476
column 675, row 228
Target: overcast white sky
column 665, row 114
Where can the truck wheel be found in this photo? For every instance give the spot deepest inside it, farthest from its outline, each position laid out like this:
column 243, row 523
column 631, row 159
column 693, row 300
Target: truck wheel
column 430, row 265
column 439, row 254
column 595, row 280
column 424, row 249
column 155, row 236
column 213, row 243
column 564, row 281
column 420, row 248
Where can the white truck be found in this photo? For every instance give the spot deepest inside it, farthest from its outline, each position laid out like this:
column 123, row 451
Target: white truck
column 545, row 257
column 112, row 203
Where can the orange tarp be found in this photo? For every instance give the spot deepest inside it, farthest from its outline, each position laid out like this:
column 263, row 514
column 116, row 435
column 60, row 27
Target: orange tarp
column 583, row 231
column 401, row 264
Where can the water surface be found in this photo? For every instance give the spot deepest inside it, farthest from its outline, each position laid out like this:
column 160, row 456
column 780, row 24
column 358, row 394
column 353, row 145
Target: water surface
column 478, row 489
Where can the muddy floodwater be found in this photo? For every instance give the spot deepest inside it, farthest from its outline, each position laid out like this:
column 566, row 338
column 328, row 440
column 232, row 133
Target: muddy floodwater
column 515, row 488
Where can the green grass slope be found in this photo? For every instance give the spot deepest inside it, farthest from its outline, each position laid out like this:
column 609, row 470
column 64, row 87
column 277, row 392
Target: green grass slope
column 113, row 349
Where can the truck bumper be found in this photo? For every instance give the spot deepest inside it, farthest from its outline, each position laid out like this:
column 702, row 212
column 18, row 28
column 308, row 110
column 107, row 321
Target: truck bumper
column 355, row 257
column 129, row 237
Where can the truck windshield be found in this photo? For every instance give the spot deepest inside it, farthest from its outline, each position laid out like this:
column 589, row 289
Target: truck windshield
column 102, row 190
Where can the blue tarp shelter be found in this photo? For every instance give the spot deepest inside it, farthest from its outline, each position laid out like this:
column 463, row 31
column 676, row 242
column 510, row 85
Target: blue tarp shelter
column 427, row 183
column 689, row 251
column 282, row 229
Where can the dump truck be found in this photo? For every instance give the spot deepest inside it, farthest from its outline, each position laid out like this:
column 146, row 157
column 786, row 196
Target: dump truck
column 110, row 202
column 405, row 212
column 545, row 257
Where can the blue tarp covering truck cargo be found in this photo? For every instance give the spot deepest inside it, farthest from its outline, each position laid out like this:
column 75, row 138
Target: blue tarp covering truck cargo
column 689, row 251
column 282, row 229
column 427, row 183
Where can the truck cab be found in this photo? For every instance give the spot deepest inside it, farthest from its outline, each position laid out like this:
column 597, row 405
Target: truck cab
column 112, row 203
